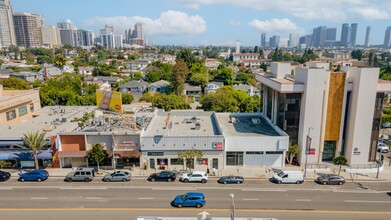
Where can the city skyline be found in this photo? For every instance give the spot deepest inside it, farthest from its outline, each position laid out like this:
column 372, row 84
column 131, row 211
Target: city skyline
column 216, row 22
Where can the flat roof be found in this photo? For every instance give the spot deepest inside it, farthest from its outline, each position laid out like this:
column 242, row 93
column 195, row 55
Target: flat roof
column 245, row 124
column 183, row 123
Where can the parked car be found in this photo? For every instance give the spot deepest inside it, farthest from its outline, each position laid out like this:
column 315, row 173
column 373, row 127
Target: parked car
column 231, row 179
column 4, row 176
column 119, row 176
column 330, row 179
column 287, row 176
column 162, row 176
column 90, row 169
column 382, row 147
column 79, row 176
column 195, row 176
column 190, row 199
column 35, row 175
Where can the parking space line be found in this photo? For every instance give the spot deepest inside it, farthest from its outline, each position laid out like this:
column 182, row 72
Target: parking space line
column 249, row 199
column 146, row 198
column 93, row 198
column 38, row 198
column 366, row 201
column 303, row 200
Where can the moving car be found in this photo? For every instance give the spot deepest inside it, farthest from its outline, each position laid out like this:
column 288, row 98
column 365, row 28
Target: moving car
column 196, row 176
column 287, row 176
column 163, row 176
column 119, row 176
column 35, row 175
column 330, row 179
column 231, row 179
column 80, row 176
column 382, row 147
column 4, row 176
column 190, row 199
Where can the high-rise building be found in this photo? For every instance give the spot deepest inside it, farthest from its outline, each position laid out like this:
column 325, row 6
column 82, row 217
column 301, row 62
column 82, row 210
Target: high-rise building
column 7, row 30
column 293, row 40
column 263, row 40
column 73, row 36
column 319, row 36
column 353, row 34
column 109, row 38
column 237, row 50
column 274, row 41
column 65, row 25
column 27, row 29
column 138, row 27
column 387, row 37
column 345, row 35
column 367, row 36
column 50, row 36
column 331, row 34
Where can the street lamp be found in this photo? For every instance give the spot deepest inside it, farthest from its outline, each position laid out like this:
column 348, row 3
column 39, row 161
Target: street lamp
column 307, row 150
column 233, row 206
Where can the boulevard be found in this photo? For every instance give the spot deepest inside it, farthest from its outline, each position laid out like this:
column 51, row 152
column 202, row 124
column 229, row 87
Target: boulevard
column 54, row 199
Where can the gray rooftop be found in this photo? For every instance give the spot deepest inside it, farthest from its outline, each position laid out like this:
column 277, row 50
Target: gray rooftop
column 184, row 123
column 245, row 124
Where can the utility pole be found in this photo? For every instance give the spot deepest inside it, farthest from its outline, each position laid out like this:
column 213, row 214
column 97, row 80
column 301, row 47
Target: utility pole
column 307, row 150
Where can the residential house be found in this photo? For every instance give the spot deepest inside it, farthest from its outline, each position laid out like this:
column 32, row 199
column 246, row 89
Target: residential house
column 27, row 76
column 192, row 90
column 86, row 70
column 161, row 86
column 213, row 86
column 212, row 63
column 250, row 90
column 134, row 86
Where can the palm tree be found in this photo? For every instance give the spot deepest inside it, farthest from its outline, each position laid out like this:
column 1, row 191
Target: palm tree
column 34, row 141
column 59, row 61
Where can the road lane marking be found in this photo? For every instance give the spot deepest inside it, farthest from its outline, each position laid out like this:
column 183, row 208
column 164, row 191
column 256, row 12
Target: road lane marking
column 249, row 199
column 39, row 198
column 355, row 191
column 146, row 198
column 6, row 188
column 173, row 189
column 84, row 188
column 208, row 210
column 263, row 190
column 303, row 200
column 367, row 201
column 92, row 198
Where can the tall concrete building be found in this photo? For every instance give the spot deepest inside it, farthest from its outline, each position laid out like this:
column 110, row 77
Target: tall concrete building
column 319, row 36
column 353, row 34
column 331, row 34
column 139, row 30
column 345, row 35
column 7, row 30
column 293, row 40
column 367, row 36
column 387, row 37
column 73, row 36
column 237, row 50
column 27, row 29
column 263, row 40
column 274, row 41
column 340, row 112
column 109, row 38
column 66, row 25
column 51, row 36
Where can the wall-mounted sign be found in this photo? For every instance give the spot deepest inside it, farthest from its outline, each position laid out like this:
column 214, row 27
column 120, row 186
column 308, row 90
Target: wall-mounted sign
column 126, row 144
column 217, row 146
column 311, row 151
column 155, row 153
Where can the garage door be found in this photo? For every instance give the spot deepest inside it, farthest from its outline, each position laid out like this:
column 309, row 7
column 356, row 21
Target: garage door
column 273, row 158
column 253, row 158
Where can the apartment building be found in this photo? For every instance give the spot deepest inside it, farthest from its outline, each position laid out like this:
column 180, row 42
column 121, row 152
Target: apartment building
column 27, row 29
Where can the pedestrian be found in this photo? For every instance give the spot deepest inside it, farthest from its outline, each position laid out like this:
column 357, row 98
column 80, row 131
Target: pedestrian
column 214, row 171
column 207, row 171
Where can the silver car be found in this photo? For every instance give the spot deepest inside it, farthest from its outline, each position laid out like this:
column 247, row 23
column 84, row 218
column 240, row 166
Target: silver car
column 119, row 176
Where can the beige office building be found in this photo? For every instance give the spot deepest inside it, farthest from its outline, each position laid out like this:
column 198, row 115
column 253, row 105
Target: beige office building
column 7, row 32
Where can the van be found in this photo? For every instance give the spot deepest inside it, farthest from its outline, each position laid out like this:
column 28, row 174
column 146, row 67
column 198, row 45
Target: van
column 287, row 176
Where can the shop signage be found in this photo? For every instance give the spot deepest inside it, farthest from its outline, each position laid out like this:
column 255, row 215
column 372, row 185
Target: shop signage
column 155, row 153
column 126, row 144
column 217, row 146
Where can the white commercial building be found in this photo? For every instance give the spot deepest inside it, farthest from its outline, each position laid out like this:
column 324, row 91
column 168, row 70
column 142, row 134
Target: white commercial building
column 340, row 112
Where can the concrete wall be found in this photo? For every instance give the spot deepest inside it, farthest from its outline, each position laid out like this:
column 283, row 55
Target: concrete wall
column 279, row 70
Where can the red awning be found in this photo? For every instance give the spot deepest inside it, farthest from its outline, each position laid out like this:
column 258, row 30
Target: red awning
column 73, row 154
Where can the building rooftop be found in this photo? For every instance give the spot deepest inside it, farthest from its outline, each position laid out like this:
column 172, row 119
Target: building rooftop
column 183, row 123
column 245, row 124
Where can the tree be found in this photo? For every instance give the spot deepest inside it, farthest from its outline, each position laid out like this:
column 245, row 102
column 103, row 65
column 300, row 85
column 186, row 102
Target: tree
column 189, row 155
column 3, row 163
column 59, row 61
column 340, row 161
column 127, row 98
column 179, row 74
column 186, row 55
column 199, row 74
column 96, row 154
column 293, row 151
column 34, row 141
column 15, row 83
column 169, row 102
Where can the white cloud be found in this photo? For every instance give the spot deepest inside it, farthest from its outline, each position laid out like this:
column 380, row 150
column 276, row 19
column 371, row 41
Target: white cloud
column 170, row 23
column 235, row 22
column 276, row 26
column 333, row 10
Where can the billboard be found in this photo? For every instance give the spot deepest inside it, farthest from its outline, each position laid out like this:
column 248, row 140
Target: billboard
column 109, row 100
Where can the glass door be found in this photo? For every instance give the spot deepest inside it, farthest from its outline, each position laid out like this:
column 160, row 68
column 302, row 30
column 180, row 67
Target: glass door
column 328, row 151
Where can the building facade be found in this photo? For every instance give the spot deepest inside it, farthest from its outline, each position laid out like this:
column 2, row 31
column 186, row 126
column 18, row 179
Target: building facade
column 7, row 30
column 27, row 29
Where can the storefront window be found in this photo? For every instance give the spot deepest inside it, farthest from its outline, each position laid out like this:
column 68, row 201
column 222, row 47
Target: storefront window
column 47, row 163
column 176, row 161
column 234, row 158
column 203, row 161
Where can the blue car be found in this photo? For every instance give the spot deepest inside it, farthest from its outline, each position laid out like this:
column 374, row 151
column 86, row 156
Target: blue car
column 190, row 199
column 35, row 175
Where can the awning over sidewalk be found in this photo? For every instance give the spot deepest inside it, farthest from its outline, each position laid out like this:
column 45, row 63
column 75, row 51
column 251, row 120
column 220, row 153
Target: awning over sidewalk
column 25, row 155
column 72, row 154
column 124, row 154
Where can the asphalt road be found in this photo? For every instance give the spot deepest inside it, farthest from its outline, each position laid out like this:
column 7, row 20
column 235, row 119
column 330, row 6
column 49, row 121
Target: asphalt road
column 54, row 199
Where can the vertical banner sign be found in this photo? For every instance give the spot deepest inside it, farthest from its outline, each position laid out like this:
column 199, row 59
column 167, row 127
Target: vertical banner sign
column 308, row 146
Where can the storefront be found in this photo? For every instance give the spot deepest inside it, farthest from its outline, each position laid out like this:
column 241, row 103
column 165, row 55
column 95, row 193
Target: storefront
column 25, row 158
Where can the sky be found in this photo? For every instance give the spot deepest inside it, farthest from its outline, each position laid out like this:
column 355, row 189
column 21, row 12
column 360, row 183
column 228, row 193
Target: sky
column 216, row 22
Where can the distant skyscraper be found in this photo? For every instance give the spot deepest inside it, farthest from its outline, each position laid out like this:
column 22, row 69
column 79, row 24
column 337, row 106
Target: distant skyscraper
column 66, row 25
column 353, row 35
column 274, row 41
column 139, row 30
column 345, row 35
column 319, row 36
column 7, row 31
column 50, row 36
column 109, row 39
column 27, row 29
column 387, row 37
column 237, row 47
column 331, row 34
column 263, row 40
column 293, row 40
column 367, row 36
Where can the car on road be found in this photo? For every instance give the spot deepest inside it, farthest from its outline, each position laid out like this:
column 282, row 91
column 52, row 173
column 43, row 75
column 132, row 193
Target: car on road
column 190, row 199
column 4, row 176
column 162, row 176
column 231, row 179
column 195, row 176
column 80, row 176
column 330, row 179
column 287, row 176
column 382, row 147
column 34, row 175
column 119, row 176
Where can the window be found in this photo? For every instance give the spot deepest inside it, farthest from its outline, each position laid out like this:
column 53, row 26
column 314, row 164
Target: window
column 11, row 115
column 234, row 158
column 274, row 152
column 22, row 110
column 31, row 107
column 254, row 152
column 176, row 161
column 203, row 161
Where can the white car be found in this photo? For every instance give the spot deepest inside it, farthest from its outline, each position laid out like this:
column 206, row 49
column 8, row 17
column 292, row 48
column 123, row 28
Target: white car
column 382, row 147
column 196, row 176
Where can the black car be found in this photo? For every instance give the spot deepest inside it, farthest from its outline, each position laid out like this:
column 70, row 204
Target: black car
column 231, row 179
column 163, row 176
column 330, row 179
column 4, row 176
